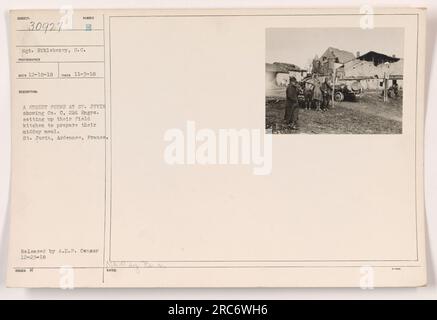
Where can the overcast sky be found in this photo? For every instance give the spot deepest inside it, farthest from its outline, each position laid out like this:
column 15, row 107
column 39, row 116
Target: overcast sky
column 299, row 46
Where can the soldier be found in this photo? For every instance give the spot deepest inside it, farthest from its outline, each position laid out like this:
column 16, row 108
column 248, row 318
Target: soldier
column 326, row 91
column 291, row 104
column 317, row 93
column 301, row 95
column 308, row 93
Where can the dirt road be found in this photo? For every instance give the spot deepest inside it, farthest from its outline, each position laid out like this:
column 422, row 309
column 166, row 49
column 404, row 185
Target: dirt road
column 367, row 115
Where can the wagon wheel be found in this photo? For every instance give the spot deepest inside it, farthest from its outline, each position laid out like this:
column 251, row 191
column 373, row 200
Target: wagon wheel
column 339, row 96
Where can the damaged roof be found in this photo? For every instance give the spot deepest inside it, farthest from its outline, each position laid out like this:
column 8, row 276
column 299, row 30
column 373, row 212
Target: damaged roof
column 343, row 56
column 377, row 58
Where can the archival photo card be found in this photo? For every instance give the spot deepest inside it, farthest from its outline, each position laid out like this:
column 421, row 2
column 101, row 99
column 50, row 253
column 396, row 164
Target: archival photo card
column 217, row 148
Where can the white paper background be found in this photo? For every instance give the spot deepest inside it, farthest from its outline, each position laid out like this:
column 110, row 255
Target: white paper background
column 429, row 292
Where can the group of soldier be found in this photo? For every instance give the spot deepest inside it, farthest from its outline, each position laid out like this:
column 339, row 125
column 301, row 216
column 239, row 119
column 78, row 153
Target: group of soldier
column 307, row 94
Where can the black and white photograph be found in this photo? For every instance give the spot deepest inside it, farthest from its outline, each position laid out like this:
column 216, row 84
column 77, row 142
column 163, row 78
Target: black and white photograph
column 334, row 80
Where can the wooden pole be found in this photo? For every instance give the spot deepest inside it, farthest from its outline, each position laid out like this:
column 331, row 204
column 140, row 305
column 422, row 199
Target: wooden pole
column 333, row 87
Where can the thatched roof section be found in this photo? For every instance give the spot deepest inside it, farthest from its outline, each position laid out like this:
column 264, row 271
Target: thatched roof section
column 282, row 67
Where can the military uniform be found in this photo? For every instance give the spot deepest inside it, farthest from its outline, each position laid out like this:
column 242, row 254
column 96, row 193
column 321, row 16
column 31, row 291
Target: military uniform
column 291, row 104
column 326, row 90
